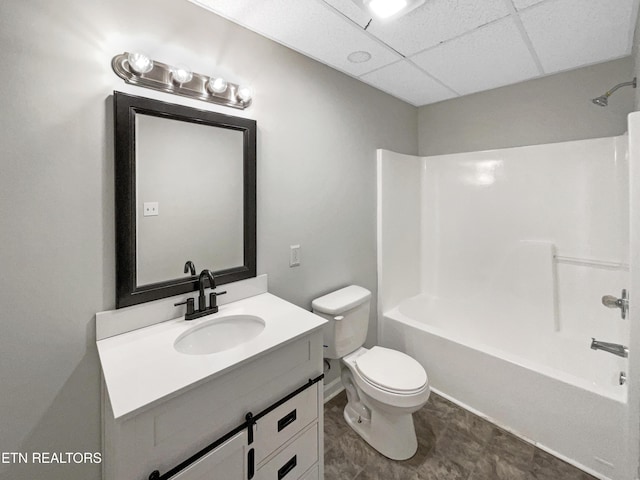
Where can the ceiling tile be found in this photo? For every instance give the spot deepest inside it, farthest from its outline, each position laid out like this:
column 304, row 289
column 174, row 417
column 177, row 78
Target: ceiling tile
column 309, row 27
column 437, row 21
column 468, row 45
column 350, row 10
column 568, row 34
column 489, row 57
column 409, row 83
column 522, row 4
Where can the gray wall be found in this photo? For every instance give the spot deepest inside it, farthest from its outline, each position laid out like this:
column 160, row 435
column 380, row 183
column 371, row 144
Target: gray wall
column 551, row 109
column 318, row 132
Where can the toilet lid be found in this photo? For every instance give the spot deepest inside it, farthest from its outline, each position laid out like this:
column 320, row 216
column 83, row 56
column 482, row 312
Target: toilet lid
column 391, row 370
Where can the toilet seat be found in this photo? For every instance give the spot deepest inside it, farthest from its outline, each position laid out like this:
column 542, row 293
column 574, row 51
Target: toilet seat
column 391, row 371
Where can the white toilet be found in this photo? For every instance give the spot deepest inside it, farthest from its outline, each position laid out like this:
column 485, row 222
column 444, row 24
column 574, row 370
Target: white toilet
column 384, row 387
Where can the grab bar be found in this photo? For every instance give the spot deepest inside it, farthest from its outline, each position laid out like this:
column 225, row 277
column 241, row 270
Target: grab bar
column 592, row 262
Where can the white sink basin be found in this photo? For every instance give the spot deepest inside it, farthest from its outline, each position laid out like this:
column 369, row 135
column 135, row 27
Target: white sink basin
column 219, row 334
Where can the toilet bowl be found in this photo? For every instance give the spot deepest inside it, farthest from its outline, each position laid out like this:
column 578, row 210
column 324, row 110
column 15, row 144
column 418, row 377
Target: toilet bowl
column 379, row 406
column 384, row 387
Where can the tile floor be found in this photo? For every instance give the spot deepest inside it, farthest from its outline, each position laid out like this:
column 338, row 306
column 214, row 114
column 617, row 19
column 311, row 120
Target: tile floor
column 453, row 444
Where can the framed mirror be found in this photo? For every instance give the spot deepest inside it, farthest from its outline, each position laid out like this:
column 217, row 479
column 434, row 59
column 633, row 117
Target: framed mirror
column 185, row 191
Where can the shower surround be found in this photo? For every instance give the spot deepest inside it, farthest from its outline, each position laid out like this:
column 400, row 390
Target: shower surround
column 491, row 267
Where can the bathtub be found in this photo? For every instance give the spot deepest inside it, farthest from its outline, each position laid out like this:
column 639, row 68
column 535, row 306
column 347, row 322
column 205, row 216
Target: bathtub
column 547, row 388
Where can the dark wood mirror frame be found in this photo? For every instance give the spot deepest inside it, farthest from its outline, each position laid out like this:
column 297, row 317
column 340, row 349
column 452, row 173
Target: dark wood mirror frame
column 125, row 109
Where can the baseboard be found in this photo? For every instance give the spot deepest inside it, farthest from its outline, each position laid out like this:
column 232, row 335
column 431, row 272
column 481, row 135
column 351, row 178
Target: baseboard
column 332, row 389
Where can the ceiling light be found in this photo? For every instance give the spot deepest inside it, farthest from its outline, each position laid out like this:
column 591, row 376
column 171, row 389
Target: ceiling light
column 388, row 9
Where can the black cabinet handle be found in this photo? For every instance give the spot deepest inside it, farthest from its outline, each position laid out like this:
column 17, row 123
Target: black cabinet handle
column 250, row 423
column 251, row 460
column 288, row 419
column 287, row 467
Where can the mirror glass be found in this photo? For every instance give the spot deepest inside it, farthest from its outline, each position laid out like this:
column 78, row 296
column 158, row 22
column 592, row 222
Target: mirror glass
column 185, row 191
column 190, row 179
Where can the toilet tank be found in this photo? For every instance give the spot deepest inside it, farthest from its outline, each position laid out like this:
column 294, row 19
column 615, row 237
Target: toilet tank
column 347, row 313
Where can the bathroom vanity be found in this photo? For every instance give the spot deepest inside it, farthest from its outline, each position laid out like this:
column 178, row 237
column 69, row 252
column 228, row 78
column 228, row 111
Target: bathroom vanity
column 249, row 411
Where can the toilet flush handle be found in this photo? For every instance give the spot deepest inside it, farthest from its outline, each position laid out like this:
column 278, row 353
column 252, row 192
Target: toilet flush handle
column 339, row 317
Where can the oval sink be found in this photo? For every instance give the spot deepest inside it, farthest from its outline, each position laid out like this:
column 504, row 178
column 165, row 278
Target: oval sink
column 219, row 334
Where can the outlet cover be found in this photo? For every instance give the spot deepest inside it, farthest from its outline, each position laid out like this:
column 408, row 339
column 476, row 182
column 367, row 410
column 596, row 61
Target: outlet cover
column 150, row 209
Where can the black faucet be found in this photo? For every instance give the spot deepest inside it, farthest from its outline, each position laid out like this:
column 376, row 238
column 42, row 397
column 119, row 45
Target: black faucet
column 202, row 301
column 189, row 267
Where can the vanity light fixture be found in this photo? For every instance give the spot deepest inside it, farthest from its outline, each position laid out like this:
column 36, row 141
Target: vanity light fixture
column 388, row 9
column 138, row 69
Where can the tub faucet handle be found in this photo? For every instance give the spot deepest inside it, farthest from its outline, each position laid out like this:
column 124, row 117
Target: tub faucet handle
column 622, row 303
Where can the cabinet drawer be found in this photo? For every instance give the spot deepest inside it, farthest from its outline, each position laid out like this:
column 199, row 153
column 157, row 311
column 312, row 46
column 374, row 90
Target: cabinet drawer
column 313, row 474
column 293, row 460
column 284, row 422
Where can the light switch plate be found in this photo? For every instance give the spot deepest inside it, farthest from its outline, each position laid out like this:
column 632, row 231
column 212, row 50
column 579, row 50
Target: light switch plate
column 294, row 256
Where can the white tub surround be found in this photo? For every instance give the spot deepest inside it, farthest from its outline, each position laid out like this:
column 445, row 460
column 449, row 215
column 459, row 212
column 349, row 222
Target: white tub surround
column 491, row 269
column 633, row 423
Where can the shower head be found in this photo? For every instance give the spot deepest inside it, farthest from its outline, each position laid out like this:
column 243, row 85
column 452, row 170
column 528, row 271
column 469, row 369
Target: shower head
column 603, row 100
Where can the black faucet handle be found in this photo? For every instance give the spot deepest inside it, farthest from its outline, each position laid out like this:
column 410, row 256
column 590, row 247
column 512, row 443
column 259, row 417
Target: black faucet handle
column 213, row 299
column 189, row 302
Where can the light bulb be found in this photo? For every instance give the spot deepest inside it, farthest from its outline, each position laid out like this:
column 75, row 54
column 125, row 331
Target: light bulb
column 139, row 63
column 245, row 94
column 181, row 74
column 217, row 85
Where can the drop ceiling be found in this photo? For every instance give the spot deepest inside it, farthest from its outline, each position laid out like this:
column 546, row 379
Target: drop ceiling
column 445, row 48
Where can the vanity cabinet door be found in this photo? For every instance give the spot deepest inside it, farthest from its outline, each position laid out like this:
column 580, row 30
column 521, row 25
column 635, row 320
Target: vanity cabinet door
column 226, row 462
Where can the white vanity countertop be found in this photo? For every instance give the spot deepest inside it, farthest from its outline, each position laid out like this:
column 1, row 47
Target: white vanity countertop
column 142, row 366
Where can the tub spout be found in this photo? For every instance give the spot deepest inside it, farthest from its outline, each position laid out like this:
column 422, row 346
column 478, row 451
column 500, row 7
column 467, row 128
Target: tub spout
column 615, row 348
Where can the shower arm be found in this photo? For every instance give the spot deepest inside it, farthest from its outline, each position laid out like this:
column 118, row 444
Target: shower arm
column 620, row 85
